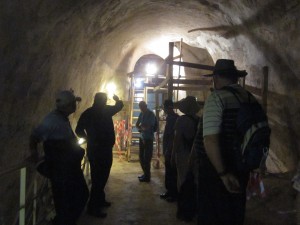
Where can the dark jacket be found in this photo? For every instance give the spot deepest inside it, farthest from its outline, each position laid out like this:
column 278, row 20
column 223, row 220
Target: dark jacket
column 97, row 126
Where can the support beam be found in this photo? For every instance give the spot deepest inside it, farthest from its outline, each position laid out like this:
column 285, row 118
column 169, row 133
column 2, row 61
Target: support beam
column 253, row 90
column 22, row 196
column 163, row 83
column 192, row 88
column 264, row 88
column 192, row 65
column 182, row 81
column 170, row 71
column 189, row 88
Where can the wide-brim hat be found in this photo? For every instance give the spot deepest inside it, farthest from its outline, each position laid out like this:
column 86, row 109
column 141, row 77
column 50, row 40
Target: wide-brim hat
column 226, row 67
column 188, row 105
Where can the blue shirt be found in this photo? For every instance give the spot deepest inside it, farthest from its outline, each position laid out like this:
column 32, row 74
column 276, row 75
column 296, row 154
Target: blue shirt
column 147, row 119
column 55, row 126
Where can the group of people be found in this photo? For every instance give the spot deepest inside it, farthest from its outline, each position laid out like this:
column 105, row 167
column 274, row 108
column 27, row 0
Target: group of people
column 206, row 151
column 178, row 139
column 189, row 142
column 63, row 155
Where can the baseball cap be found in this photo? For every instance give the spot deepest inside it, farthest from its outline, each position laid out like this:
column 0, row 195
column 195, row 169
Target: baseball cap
column 66, row 97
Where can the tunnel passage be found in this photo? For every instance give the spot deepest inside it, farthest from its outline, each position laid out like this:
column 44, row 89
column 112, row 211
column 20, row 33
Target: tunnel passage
column 47, row 46
column 85, row 45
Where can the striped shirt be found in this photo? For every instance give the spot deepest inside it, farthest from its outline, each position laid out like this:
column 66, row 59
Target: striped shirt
column 214, row 107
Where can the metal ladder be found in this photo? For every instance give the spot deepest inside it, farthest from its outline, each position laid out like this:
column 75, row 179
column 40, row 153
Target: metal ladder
column 138, row 95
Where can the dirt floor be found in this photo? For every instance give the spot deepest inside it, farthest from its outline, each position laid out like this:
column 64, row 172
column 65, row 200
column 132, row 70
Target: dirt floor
column 135, row 203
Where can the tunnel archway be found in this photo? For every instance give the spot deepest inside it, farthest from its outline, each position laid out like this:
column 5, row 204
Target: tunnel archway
column 140, row 68
column 47, row 46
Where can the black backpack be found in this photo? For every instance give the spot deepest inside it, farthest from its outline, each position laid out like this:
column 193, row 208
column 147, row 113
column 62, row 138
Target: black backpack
column 252, row 139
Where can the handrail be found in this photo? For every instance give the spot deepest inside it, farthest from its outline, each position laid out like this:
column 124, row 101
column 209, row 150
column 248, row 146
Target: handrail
column 24, row 203
column 15, row 168
column 33, row 188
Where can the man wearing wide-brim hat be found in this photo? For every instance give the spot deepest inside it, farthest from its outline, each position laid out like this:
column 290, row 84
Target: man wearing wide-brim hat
column 224, row 191
column 188, row 105
column 185, row 130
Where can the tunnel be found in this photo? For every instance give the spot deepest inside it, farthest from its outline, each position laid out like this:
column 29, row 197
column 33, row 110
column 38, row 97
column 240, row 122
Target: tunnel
column 49, row 46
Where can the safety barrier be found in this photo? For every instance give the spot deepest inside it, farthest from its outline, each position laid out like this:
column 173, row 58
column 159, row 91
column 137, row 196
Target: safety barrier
column 122, row 136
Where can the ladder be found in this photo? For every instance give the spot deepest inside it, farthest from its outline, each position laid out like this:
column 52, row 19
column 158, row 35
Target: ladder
column 142, row 93
column 138, row 95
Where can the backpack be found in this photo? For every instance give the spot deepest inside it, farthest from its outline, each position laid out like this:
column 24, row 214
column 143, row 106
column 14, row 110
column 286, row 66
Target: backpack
column 252, row 139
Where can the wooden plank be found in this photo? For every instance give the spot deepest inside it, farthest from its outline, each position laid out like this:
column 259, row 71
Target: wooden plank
column 192, row 65
column 264, row 88
column 170, row 71
column 182, row 88
column 22, row 196
column 189, row 88
column 183, row 81
column 162, row 84
column 253, row 90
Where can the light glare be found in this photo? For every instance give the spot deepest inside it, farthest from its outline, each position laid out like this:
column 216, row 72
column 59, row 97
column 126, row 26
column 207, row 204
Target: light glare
column 110, row 88
column 151, row 69
column 138, row 83
column 81, row 141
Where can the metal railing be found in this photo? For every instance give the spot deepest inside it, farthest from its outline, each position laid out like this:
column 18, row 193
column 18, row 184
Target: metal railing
column 28, row 205
column 27, row 201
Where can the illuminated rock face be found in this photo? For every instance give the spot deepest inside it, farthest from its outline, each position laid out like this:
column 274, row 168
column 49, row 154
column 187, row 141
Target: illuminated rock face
column 49, row 45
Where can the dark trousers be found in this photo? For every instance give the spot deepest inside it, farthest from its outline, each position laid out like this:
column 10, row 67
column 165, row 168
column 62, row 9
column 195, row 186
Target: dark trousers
column 216, row 206
column 70, row 194
column 100, row 165
column 170, row 175
column 145, row 155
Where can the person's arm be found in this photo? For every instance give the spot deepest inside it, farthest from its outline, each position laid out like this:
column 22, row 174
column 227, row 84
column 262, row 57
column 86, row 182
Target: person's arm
column 149, row 121
column 39, row 134
column 33, row 143
column 80, row 128
column 211, row 143
column 138, row 122
column 212, row 119
column 117, row 107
